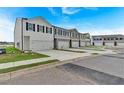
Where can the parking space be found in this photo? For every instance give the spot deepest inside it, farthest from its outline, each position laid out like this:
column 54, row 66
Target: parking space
column 109, row 65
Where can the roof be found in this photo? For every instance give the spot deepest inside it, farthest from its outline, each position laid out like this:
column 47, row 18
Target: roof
column 114, row 35
column 39, row 18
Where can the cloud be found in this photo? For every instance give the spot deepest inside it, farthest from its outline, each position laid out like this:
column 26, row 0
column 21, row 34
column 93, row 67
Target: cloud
column 70, row 10
column 91, row 8
column 6, row 28
column 53, row 12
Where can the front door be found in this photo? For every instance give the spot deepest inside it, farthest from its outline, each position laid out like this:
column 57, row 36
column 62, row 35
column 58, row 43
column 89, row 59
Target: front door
column 115, row 43
column 55, row 43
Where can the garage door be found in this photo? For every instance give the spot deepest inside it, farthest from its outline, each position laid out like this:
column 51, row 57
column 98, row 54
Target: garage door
column 63, row 44
column 75, row 44
column 41, row 45
column 98, row 43
column 82, row 43
column 87, row 43
column 109, row 44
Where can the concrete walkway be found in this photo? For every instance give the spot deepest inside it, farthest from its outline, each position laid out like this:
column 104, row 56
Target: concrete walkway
column 63, row 55
column 24, row 62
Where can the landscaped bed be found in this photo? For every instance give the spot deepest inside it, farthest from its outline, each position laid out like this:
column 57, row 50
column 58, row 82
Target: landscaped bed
column 26, row 66
column 14, row 54
column 72, row 51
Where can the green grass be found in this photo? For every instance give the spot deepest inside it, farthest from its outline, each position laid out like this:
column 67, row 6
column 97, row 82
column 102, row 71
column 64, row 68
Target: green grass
column 73, row 51
column 25, row 66
column 95, row 53
column 96, row 48
column 14, row 54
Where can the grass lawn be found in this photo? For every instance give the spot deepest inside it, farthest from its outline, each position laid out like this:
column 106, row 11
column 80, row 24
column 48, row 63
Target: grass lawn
column 26, row 66
column 14, row 54
column 95, row 53
column 73, row 51
column 96, row 48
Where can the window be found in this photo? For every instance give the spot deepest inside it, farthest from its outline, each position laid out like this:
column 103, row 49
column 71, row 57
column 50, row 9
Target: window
column 50, row 30
column 108, row 39
column 100, row 39
column 30, row 26
column 41, row 29
column 116, row 38
column 61, row 32
column 112, row 38
column 121, row 38
column 55, row 31
column 104, row 38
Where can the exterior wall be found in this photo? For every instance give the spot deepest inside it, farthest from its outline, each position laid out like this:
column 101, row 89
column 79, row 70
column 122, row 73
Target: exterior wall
column 18, row 34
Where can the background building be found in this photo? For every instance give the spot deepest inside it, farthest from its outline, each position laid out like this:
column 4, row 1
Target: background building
column 108, row 40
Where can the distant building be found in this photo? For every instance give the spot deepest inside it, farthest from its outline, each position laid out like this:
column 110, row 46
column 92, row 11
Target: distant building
column 38, row 34
column 108, row 40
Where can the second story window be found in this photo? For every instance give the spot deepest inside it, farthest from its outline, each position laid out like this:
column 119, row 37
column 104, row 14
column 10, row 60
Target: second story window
column 41, row 29
column 30, row 26
column 50, row 30
column 55, row 31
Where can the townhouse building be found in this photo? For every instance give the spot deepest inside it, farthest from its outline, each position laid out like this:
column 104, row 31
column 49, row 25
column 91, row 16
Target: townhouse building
column 108, row 40
column 38, row 34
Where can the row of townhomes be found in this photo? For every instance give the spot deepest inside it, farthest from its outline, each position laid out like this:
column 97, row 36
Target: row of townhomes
column 38, row 34
column 108, row 40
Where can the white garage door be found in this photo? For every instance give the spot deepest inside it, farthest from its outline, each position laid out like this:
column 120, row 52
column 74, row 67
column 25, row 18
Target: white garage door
column 63, row 44
column 98, row 44
column 82, row 43
column 120, row 44
column 75, row 44
column 87, row 43
column 109, row 44
column 41, row 45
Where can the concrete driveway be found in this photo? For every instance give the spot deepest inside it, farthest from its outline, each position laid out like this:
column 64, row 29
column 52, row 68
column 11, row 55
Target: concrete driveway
column 63, row 55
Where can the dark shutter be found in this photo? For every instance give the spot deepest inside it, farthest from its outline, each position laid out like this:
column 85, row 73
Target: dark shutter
column 43, row 29
column 46, row 29
column 33, row 27
column 37, row 28
column 26, row 25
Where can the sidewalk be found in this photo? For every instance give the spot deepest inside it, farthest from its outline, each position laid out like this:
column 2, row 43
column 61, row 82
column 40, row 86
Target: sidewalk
column 24, row 62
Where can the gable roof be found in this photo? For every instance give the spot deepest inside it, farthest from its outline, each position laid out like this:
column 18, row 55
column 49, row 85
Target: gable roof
column 39, row 18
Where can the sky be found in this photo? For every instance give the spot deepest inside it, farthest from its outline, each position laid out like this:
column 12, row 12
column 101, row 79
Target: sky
column 94, row 20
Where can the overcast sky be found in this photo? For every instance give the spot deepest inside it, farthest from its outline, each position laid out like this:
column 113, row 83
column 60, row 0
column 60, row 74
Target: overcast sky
column 95, row 20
